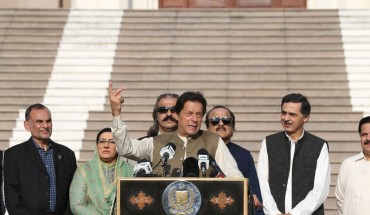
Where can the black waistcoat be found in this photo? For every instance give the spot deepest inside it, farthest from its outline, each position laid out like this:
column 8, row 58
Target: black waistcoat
column 307, row 152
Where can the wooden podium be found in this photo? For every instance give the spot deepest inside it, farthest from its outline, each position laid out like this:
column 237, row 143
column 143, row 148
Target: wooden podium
column 182, row 196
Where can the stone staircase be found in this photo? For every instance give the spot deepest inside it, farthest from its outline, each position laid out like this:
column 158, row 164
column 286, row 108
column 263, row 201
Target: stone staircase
column 244, row 59
column 29, row 41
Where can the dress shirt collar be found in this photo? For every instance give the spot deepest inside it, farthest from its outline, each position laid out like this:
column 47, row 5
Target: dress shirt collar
column 361, row 156
column 185, row 139
column 291, row 140
column 50, row 146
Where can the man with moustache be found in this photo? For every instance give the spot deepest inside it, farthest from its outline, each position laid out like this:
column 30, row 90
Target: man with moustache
column 221, row 120
column 164, row 118
column 293, row 165
column 38, row 172
column 188, row 138
column 164, row 115
column 352, row 190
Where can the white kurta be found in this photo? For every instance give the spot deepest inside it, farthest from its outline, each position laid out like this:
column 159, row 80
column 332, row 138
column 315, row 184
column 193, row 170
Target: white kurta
column 353, row 186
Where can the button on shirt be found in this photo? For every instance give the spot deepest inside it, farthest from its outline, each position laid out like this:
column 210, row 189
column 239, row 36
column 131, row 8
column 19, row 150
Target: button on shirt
column 47, row 158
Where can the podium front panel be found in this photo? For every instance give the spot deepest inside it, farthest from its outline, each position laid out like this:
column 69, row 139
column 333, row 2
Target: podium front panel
column 208, row 196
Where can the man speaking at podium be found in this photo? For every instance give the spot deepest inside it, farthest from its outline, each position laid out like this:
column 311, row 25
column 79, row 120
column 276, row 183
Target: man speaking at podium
column 187, row 139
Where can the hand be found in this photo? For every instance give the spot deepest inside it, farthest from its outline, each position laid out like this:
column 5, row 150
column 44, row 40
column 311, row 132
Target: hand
column 116, row 99
column 257, row 203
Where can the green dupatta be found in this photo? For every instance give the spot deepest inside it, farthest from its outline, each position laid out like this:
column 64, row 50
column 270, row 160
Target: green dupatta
column 90, row 189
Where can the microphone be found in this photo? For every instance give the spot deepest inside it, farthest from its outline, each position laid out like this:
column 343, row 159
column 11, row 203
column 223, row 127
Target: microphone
column 190, row 167
column 213, row 163
column 167, row 152
column 142, row 168
column 203, row 161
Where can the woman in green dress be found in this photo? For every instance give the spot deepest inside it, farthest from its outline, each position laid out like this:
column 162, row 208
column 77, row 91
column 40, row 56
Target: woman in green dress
column 93, row 188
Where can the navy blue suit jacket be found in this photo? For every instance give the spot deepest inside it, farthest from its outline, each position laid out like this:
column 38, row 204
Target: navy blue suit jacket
column 246, row 166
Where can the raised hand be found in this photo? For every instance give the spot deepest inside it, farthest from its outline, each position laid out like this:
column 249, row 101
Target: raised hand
column 116, row 99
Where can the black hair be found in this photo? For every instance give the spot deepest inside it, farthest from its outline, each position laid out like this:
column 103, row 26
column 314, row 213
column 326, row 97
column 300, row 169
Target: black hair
column 104, row 130
column 153, row 131
column 298, row 98
column 363, row 121
column 191, row 96
column 220, row 106
column 36, row 106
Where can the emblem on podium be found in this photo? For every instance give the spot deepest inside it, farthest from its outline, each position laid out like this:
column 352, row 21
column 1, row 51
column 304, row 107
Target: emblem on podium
column 181, row 197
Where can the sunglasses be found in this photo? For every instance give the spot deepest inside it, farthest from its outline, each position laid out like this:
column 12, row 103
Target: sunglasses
column 163, row 110
column 216, row 120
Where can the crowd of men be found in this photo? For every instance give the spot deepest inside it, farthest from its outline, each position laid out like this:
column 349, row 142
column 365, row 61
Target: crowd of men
column 292, row 176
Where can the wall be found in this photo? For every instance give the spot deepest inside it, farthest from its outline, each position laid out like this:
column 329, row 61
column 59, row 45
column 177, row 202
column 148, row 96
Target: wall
column 114, row 4
column 338, row 4
column 40, row 4
column 80, row 4
column 153, row 4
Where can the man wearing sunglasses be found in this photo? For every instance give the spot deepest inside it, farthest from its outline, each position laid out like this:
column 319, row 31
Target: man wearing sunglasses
column 188, row 138
column 164, row 115
column 164, row 118
column 221, row 121
column 293, row 165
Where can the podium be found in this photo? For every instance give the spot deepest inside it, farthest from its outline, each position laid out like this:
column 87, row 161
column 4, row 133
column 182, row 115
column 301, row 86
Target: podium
column 182, row 196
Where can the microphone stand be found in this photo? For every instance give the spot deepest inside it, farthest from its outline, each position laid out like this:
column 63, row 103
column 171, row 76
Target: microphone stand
column 160, row 161
column 204, row 173
column 157, row 164
column 164, row 161
column 165, row 169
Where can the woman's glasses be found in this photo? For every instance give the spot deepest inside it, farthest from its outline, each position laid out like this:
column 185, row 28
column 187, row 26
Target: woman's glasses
column 104, row 141
column 163, row 110
column 216, row 120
